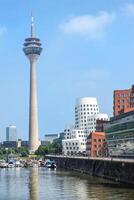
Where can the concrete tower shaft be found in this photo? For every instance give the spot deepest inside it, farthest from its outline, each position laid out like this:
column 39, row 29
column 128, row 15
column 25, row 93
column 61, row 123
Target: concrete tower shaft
column 32, row 49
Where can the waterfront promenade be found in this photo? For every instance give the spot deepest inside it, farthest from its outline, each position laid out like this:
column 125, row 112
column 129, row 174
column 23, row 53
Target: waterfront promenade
column 95, row 158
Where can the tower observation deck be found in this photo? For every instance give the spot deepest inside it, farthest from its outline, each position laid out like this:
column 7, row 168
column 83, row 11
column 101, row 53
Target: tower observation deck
column 32, row 49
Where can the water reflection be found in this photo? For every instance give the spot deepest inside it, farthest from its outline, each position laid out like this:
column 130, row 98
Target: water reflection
column 45, row 184
column 34, row 183
column 13, row 184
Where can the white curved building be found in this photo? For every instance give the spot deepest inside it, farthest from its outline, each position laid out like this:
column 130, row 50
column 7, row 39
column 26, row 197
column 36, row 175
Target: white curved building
column 86, row 115
column 102, row 116
column 91, row 121
column 85, row 107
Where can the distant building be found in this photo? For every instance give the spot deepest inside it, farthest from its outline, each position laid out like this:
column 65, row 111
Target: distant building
column 11, row 133
column 10, row 144
column 19, row 143
column 120, row 135
column 123, row 101
column 51, row 137
column 62, row 136
column 96, row 145
column 24, row 143
column 44, row 143
column 1, row 144
column 15, row 144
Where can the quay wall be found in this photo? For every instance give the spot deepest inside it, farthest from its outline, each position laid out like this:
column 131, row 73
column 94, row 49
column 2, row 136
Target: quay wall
column 117, row 170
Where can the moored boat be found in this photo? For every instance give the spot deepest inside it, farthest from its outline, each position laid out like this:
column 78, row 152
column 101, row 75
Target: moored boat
column 11, row 164
column 3, row 164
column 50, row 164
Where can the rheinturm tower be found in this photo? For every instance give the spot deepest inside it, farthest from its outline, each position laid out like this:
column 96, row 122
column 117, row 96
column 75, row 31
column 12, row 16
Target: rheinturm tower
column 32, row 49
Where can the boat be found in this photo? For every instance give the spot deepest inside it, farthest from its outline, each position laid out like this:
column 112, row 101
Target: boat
column 50, row 164
column 11, row 164
column 3, row 164
column 18, row 164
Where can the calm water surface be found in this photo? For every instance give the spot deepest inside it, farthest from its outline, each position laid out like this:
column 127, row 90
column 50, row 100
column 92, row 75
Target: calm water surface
column 45, row 184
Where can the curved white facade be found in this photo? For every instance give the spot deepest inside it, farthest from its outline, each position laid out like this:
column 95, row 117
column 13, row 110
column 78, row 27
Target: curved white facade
column 102, row 116
column 85, row 107
column 86, row 115
column 91, row 121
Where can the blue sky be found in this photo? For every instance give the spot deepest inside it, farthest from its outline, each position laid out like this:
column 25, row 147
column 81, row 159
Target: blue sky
column 88, row 51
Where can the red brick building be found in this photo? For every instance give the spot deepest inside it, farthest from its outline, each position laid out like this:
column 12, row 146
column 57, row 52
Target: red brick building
column 96, row 145
column 123, row 101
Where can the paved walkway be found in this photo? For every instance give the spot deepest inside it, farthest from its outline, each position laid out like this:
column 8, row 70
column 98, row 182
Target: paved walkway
column 91, row 158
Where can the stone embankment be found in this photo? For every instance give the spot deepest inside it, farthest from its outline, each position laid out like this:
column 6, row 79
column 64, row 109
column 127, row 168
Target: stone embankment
column 119, row 170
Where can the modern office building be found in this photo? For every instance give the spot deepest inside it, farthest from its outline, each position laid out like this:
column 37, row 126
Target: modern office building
column 44, row 143
column 51, row 137
column 25, row 143
column 96, row 145
column 11, row 133
column 123, row 101
column 86, row 115
column 120, row 135
column 32, row 49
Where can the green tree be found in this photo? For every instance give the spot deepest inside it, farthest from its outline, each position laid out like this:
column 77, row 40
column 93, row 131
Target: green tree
column 23, row 151
column 42, row 150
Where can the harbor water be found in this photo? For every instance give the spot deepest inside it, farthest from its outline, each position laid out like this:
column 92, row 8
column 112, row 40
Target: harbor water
column 48, row 184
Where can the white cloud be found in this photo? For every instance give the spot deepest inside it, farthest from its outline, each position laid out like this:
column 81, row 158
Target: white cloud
column 128, row 9
column 88, row 25
column 3, row 30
